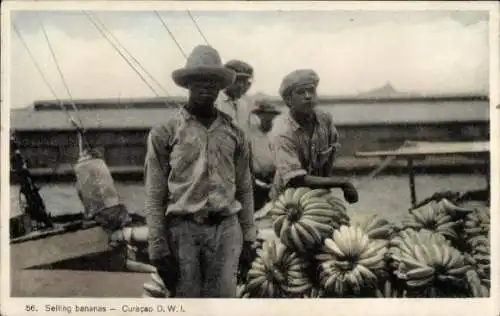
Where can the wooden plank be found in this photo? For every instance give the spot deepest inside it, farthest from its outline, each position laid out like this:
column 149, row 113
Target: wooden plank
column 415, row 149
column 59, row 247
column 62, row 229
column 71, row 283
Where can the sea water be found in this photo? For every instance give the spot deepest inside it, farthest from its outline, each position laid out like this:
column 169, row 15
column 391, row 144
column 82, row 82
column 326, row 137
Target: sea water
column 386, row 195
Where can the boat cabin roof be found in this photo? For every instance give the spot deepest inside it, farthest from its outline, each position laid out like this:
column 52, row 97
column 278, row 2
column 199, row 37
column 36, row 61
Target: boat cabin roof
column 130, row 114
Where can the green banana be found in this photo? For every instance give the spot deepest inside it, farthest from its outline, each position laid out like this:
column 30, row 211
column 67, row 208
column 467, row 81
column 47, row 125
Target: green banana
column 299, row 192
column 458, row 271
column 415, row 283
column 316, row 193
column 333, row 248
column 373, row 261
column 420, row 273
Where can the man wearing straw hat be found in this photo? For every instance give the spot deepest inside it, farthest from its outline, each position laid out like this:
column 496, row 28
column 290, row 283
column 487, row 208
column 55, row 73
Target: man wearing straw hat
column 197, row 168
column 262, row 161
column 304, row 140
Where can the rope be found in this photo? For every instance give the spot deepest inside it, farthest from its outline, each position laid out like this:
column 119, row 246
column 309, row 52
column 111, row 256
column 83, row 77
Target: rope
column 197, row 27
column 32, row 57
column 119, row 52
column 128, row 52
column 49, row 86
column 75, row 109
column 171, row 34
column 79, row 127
column 80, row 143
column 40, row 71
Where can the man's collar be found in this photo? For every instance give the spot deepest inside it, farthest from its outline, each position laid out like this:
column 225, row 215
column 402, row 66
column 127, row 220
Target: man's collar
column 185, row 114
column 225, row 96
column 188, row 116
column 229, row 99
column 293, row 123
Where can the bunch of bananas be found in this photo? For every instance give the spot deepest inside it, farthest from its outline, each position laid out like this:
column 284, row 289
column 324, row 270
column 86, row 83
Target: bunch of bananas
column 376, row 227
column 404, row 241
column 476, row 287
column 314, row 292
column 349, row 261
column 241, row 291
column 477, row 222
column 477, row 233
column 480, row 257
column 435, row 217
column 426, row 261
column 277, row 272
column 303, row 218
column 408, row 237
column 155, row 288
column 387, row 290
column 338, row 205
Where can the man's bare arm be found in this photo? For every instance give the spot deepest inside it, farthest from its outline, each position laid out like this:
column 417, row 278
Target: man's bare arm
column 244, row 192
column 155, row 177
column 315, row 182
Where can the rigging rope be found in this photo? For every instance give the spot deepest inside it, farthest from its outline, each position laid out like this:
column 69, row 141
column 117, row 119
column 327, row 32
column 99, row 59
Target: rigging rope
column 47, row 83
column 32, row 57
column 119, row 52
column 171, row 34
column 128, row 52
column 197, row 27
column 75, row 109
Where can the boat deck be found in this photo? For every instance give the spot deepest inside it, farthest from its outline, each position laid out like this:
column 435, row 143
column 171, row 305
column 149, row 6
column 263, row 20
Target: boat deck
column 74, row 283
column 413, row 151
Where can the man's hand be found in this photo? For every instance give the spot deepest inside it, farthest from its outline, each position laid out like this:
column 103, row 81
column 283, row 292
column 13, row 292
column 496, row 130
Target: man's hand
column 168, row 271
column 350, row 193
column 248, row 254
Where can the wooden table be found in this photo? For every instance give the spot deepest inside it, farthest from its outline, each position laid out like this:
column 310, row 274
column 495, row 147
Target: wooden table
column 411, row 151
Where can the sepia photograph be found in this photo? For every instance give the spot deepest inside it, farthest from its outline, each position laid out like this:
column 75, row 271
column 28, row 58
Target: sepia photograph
column 209, row 152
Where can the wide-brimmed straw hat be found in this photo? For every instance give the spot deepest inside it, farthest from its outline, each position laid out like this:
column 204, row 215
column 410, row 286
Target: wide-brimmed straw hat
column 266, row 108
column 204, row 62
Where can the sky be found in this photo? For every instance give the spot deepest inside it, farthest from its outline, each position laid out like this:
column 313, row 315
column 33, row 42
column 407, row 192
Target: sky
column 431, row 52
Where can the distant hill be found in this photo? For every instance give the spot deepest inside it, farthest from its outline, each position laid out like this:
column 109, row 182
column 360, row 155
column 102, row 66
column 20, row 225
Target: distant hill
column 383, row 93
column 387, row 91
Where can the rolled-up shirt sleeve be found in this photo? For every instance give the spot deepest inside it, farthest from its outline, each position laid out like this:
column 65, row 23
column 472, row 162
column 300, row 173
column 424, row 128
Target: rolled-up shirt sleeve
column 156, row 171
column 244, row 190
column 335, row 137
column 285, row 152
column 335, row 144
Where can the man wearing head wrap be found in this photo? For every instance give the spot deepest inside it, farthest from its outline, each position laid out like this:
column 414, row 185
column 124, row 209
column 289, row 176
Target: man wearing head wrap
column 304, row 140
column 199, row 195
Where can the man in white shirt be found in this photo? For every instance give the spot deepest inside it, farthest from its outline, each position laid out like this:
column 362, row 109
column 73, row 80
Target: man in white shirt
column 262, row 160
column 233, row 100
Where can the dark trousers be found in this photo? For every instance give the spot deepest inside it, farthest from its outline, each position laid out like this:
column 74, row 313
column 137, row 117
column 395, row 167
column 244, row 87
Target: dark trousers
column 207, row 256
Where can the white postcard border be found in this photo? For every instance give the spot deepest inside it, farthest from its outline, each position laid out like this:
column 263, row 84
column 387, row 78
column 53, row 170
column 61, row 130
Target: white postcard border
column 16, row 306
